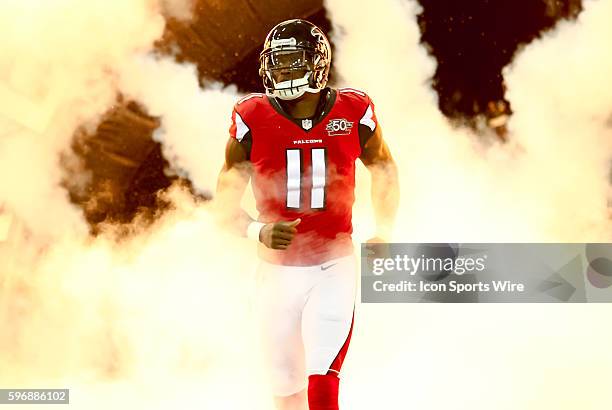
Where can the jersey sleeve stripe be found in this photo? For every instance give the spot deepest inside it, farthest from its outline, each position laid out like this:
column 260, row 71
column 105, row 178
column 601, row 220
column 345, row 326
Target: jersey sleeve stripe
column 241, row 128
column 352, row 90
column 368, row 119
column 248, row 97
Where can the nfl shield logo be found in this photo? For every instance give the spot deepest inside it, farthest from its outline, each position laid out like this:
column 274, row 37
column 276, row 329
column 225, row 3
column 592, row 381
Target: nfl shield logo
column 307, row 124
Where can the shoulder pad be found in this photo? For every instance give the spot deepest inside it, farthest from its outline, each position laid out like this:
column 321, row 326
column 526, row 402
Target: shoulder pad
column 249, row 103
column 363, row 104
column 358, row 97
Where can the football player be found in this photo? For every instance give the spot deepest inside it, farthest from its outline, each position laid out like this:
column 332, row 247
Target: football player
column 298, row 143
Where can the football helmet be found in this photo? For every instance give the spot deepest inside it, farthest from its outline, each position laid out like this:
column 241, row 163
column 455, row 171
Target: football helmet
column 296, row 58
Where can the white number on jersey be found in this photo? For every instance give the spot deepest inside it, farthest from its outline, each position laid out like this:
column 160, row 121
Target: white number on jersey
column 294, row 176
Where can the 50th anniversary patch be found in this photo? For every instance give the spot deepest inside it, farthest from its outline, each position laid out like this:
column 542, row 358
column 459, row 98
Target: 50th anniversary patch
column 493, row 272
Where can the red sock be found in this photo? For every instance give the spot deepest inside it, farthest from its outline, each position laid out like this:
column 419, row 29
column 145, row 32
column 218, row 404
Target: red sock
column 323, row 391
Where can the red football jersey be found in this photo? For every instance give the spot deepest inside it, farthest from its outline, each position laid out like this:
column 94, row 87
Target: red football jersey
column 306, row 169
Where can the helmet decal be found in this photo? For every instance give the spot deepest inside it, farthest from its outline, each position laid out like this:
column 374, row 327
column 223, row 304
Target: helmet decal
column 316, row 31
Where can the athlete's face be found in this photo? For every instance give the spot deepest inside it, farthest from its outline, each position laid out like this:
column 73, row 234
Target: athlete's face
column 290, row 65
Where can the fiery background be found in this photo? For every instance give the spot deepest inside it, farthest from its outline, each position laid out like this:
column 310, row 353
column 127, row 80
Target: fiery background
column 116, row 283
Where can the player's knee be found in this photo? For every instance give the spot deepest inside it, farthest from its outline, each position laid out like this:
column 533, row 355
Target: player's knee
column 323, row 391
column 286, row 385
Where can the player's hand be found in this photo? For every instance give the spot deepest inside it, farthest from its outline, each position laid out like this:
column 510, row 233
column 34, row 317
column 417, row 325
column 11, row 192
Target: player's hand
column 278, row 235
column 379, row 248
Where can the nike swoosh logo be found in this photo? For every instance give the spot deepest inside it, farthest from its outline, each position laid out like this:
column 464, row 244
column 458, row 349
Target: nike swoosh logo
column 328, row 266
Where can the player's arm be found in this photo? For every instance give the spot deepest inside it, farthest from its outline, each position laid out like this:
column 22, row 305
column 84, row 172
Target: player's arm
column 377, row 158
column 231, row 184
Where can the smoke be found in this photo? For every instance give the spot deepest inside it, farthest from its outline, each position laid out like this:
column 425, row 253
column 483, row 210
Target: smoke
column 561, row 118
column 195, row 122
column 163, row 308
column 169, row 307
column 179, row 9
column 56, row 74
column 107, row 317
column 548, row 184
column 448, row 190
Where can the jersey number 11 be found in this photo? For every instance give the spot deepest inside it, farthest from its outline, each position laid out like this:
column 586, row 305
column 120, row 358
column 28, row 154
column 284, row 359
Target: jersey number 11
column 294, row 177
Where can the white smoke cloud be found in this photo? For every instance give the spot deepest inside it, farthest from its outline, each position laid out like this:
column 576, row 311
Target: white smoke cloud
column 438, row 166
column 179, row 9
column 56, row 74
column 548, row 184
column 104, row 315
column 556, row 89
column 194, row 122
column 163, row 308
